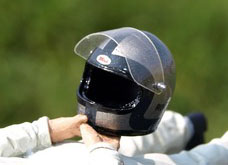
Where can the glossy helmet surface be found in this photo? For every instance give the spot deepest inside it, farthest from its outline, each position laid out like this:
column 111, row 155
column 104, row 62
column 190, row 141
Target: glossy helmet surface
column 128, row 81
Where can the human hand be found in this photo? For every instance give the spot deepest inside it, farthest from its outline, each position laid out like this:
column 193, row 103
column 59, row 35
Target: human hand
column 90, row 137
column 65, row 127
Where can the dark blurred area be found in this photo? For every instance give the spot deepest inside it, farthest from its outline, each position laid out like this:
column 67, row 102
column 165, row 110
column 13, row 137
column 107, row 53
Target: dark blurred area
column 39, row 72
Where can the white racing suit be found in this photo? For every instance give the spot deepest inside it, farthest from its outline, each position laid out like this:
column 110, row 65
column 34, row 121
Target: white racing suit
column 29, row 143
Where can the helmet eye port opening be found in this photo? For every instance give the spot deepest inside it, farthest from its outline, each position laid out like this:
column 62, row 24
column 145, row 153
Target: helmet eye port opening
column 109, row 89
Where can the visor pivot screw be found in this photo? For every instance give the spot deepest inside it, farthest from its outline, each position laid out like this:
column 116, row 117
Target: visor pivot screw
column 159, row 86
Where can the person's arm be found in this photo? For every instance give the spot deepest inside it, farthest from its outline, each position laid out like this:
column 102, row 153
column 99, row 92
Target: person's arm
column 171, row 136
column 18, row 139
column 102, row 149
column 215, row 152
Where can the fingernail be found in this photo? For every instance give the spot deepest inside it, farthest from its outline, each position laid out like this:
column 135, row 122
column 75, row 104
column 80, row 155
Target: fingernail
column 82, row 125
column 84, row 117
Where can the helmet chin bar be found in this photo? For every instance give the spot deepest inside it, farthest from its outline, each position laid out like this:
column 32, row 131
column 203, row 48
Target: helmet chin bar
column 105, row 122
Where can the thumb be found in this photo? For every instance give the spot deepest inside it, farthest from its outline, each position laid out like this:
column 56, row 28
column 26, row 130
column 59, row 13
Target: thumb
column 81, row 118
column 89, row 135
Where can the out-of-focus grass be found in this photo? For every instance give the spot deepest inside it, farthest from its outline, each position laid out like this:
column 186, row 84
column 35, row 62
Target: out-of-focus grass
column 39, row 72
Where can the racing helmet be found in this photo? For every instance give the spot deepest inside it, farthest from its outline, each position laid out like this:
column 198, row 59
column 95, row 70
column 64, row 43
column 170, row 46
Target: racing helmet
column 128, row 81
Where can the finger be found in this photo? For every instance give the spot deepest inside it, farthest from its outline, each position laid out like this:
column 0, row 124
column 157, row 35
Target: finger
column 113, row 140
column 87, row 130
column 89, row 135
column 117, row 138
column 81, row 118
column 75, row 123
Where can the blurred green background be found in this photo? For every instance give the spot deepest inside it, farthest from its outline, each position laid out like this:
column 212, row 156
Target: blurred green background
column 39, row 72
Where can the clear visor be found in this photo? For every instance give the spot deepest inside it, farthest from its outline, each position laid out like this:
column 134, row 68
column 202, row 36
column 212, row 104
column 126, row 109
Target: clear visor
column 144, row 63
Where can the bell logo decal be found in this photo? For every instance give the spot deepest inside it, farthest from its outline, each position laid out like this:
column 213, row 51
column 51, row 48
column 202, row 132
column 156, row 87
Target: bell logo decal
column 103, row 59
